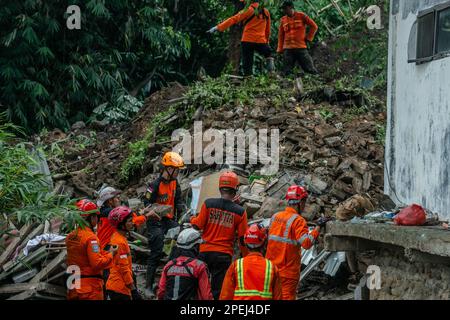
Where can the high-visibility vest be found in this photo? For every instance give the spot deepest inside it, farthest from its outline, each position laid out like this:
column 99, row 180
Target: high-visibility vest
column 249, row 284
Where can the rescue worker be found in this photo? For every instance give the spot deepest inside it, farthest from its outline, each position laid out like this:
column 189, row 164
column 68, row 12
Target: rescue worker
column 220, row 219
column 120, row 282
column 164, row 190
column 186, row 277
column 288, row 232
column 253, row 277
column 293, row 39
column 83, row 251
column 256, row 35
column 109, row 198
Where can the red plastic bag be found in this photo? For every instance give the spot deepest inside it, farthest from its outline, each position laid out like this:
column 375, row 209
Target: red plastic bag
column 413, row 215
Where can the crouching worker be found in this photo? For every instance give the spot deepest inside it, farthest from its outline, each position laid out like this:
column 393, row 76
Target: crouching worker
column 83, row 252
column 120, row 283
column 252, row 277
column 186, row 277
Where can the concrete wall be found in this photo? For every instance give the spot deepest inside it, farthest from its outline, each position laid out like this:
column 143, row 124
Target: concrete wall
column 418, row 133
column 402, row 279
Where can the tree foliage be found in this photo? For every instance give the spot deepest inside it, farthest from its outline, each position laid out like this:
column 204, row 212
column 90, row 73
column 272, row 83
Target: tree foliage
column 25, row 196
column 50, row 74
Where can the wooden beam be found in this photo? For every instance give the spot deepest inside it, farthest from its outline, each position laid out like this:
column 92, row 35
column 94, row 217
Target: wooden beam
column 21, row 264
column 53, row 265
column 14, row 244
column 32, row 289
column 24, row 295
column 18, row 287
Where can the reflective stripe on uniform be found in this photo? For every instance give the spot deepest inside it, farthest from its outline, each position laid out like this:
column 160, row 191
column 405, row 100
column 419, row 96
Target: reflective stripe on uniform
column 239, row 271
column 241, row 292
column 288, row 224
column 304, row 237
column 282, row 239
column 176, row 288
column 252, row 293
column 268, row 277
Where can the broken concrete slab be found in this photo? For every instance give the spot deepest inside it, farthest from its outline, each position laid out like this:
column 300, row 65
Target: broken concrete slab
column 316, row 184
column 270, row 206
column 251, row 208
column 425, row 239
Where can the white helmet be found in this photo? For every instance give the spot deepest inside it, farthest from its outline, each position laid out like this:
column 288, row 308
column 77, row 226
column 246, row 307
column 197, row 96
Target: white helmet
column 188, row 238
column 105, row 194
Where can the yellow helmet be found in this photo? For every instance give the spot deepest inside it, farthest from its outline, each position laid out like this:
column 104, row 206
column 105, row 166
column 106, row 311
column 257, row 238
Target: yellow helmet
column 172, row 159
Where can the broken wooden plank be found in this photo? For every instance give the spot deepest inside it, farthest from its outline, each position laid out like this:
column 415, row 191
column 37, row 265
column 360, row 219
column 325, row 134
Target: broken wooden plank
column 31, row 289
column 23, row 232
column 58, row 275
column 55, row 263
column 27, row 261
column 17, row 287
column 23, row 296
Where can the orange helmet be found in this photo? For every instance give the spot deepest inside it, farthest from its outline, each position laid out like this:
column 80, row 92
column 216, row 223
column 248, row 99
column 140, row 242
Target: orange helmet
column 172, row 159
column 228, row 179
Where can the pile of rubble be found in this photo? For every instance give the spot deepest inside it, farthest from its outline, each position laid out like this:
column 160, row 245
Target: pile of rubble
column 335, row 161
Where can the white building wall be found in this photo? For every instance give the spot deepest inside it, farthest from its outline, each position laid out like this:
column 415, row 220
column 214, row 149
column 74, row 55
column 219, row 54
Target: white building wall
column 418, row 134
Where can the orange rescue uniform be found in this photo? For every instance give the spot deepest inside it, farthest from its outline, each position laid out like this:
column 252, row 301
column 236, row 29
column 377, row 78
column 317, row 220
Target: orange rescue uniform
column 83, row 250
column 252, row 278
column 288, row 232
column 292, row 31
column 121, row 277
column 105, row 230
column 257, row 29
column 220, row 219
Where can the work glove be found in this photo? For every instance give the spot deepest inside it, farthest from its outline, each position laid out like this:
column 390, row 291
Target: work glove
column 213, row 29
column 322, row 221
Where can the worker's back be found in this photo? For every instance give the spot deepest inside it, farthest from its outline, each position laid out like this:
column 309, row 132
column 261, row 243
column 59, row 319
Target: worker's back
column 256, row 24
column 220, row 219
column 77, row 243
column 283, row 248
column 251, row 278
column 185, row 278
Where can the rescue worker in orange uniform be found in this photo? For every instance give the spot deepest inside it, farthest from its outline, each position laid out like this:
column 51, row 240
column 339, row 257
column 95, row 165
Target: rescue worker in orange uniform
column 164, row 190
column 252, row 277
column 292, row 39
column 109, row 198
column 256, row 34
column 120, row 282
column 220, row 219
column 83, row 251
column 288, row 232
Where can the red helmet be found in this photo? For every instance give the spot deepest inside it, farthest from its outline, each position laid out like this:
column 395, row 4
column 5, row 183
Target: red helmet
column 117, row 215
column 87, row 206
column 255, row 236
column 296, row 193
column 228, row 179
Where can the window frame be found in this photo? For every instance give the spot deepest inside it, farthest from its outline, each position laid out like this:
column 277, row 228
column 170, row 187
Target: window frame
column 435, row 56
column 438, row 9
